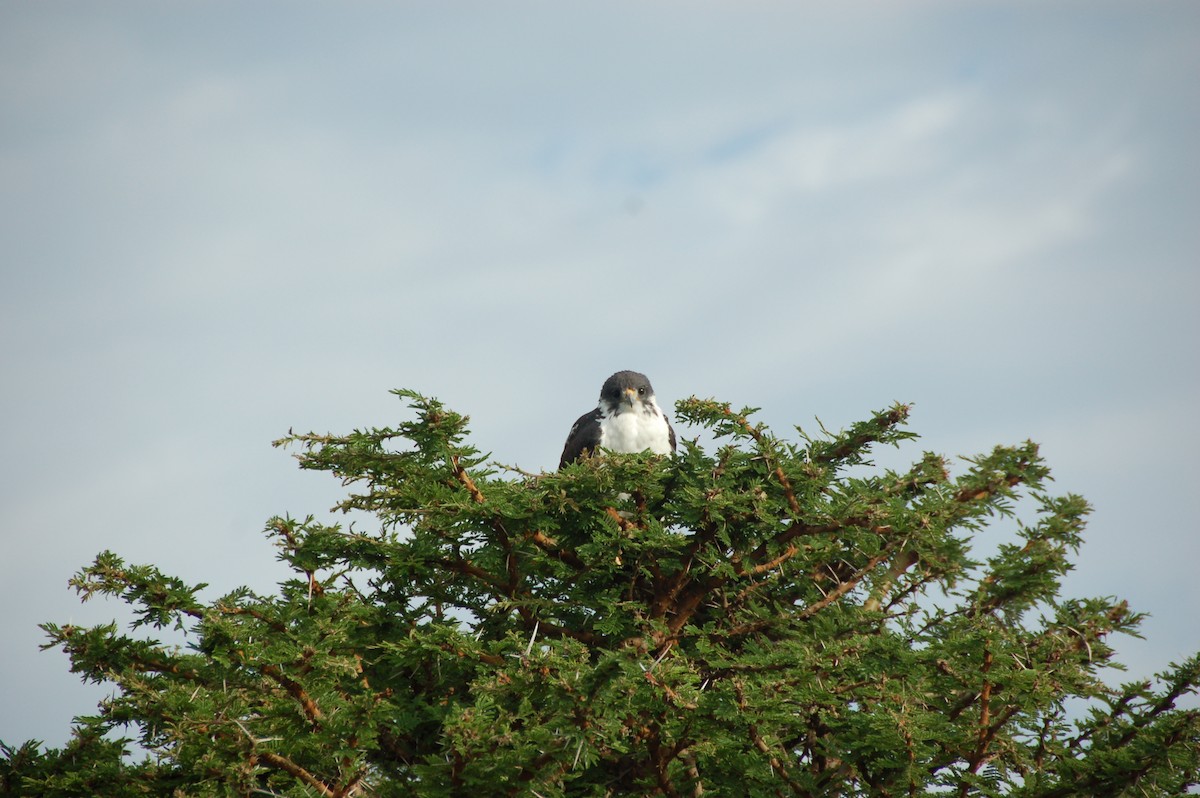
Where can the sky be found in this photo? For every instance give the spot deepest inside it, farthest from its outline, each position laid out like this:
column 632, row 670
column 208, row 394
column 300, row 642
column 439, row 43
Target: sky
column 223, row 220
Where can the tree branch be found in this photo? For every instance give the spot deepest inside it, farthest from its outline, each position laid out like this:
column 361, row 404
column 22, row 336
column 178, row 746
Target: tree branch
column 761, row 744
column 766, row 450
column 291, row 768
column 843, row 587
column 295, row 690
column 551, row 547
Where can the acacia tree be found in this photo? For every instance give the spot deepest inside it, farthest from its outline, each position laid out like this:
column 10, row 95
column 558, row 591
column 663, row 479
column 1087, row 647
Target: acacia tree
column 769, row 618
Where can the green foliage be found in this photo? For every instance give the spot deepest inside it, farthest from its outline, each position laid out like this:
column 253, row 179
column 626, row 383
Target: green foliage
column 772, row 618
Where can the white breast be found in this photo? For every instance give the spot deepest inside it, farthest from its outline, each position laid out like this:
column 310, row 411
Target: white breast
column 634, row 431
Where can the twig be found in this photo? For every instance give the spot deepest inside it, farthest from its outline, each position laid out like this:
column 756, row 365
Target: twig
column 671, row 694
column 551, row 547
column 296, row 691
column 288, row 766
column 622, row 522
column 844, row 587
column 766, row 450
column 693, row 771
column 461, row 474
column 761, row 744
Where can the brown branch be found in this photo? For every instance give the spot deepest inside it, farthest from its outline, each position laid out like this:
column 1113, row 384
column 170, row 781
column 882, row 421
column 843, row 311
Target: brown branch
column 970, row 495
column 912, row 587
column 850, row 445
column 985, row 697
column 1116, row 710
column 623, row 523
column 788, row 492
column 801, row 529
column 988, row 727
column 780, row 477
column 692, row 769
column 963, row 705
column 461, row 474
column 671, row 694
column 551, row 629
column 666, row 592
column 686, row 608
column 910, row 749
column 295, row 690
column 741, row 630
column 905, row 561
column 539, row 539
column 284, row 528
column 468, row 568
column 844, row 587
column 396, row 746
column 490, row 659
column 862, row 521
column 291, row 768
column 146, row 665
column 788, row 553
column 551, row 547
column 867, row 520
column 352, row 787
column 761, row 744
column 274, row 624
column 502, row 590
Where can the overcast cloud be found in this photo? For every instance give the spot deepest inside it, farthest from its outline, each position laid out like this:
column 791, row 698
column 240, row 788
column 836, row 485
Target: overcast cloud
column 223, row 220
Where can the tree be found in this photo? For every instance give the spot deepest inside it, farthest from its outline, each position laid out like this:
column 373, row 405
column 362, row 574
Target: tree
column 771, row 618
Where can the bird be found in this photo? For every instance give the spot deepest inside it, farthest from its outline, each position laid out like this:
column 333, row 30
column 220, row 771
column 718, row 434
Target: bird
column 627, row 419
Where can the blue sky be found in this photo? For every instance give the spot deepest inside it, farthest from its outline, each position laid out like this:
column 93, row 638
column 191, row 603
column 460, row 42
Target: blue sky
column 223, row 220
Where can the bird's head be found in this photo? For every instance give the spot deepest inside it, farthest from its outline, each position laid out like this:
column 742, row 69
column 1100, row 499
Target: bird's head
column 625, row 391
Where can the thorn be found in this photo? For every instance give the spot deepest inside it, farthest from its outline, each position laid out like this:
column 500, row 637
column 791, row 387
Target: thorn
column 532, row 637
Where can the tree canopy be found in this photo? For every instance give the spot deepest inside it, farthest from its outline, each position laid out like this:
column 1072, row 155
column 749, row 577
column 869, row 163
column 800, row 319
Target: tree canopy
column 774, row 617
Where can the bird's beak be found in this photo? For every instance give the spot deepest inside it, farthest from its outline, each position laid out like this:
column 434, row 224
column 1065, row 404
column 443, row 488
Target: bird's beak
column 630, row 396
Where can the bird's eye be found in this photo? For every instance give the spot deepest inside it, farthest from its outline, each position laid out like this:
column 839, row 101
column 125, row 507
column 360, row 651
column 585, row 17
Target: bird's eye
column 641, row 391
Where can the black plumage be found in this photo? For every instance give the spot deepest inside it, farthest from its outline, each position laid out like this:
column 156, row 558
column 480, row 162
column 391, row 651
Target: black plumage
column 626, row 419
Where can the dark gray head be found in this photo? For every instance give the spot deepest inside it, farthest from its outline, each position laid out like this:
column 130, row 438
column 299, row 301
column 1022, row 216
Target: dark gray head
column 627, row 390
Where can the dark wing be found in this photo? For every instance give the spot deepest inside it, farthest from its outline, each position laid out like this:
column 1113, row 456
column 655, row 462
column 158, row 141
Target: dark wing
column 584, row 437
column 670, row 432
